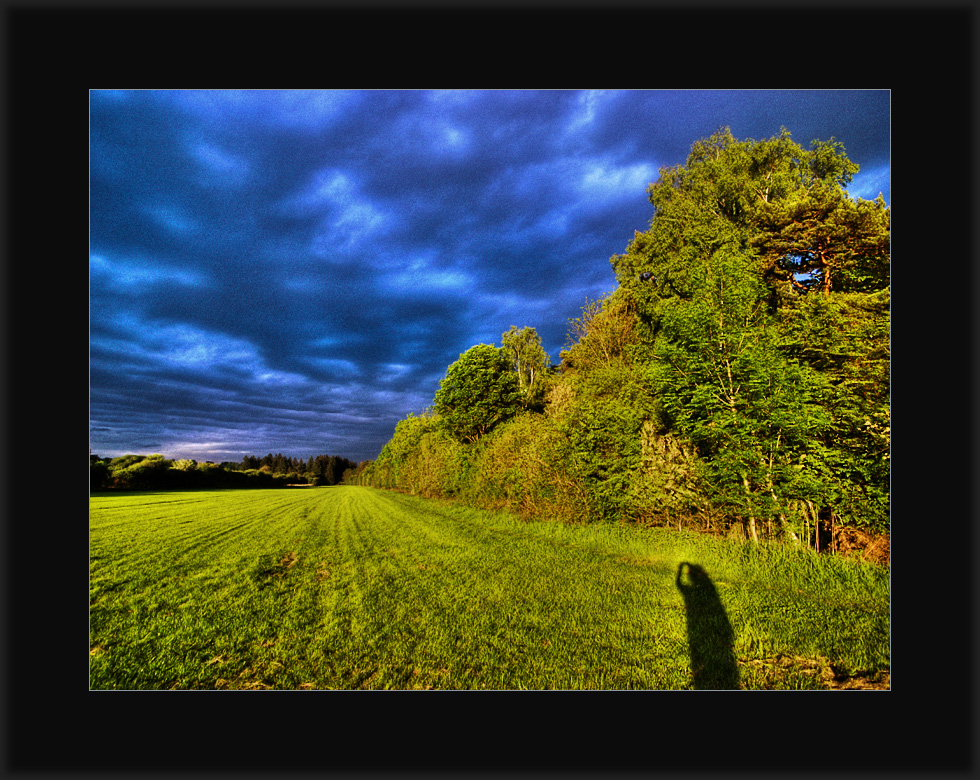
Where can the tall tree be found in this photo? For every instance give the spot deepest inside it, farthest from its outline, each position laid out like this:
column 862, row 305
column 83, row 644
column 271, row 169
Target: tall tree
column 529, row 361
column 479, row 392
column 782, row 394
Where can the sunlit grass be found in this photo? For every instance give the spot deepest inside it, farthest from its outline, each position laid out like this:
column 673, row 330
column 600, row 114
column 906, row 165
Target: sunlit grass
column 347, row 587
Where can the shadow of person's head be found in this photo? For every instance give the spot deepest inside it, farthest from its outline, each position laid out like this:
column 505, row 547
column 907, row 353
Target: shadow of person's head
column 696, row 574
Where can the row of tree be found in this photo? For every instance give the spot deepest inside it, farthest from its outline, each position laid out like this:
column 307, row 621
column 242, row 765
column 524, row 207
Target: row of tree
column 736, row 379
column 327, row 469
column 154, row 472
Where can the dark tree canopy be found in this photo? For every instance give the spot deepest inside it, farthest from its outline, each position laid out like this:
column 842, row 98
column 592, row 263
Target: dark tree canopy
column 479, row 392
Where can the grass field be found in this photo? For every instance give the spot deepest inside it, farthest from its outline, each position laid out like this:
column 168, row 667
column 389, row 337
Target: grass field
column 350, row 587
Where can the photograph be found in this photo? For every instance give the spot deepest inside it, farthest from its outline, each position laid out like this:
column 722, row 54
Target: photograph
column 490, row 390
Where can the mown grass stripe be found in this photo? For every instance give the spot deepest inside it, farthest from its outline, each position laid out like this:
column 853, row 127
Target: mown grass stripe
column 348, row 587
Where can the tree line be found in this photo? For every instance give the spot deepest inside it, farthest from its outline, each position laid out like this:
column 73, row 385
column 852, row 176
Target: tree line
column 155, row 472
column 736, row 380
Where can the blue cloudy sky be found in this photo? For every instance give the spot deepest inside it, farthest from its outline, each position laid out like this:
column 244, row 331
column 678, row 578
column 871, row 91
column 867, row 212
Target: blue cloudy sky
column 293, row 271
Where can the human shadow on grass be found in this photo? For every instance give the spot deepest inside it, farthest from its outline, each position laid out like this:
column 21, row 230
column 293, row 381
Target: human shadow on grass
column 709, row 633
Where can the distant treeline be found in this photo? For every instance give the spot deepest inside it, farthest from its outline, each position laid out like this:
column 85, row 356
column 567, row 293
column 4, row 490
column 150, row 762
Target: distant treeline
column 155, row 472
column 737, row 379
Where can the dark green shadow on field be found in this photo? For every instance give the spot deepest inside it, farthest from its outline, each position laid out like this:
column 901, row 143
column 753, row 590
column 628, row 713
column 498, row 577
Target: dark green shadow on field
column 709, row 633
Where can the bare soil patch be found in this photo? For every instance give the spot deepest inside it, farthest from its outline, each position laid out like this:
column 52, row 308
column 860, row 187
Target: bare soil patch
column 781, row 668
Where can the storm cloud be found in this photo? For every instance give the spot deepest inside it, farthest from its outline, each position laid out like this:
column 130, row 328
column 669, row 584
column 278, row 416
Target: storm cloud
column 293, row 271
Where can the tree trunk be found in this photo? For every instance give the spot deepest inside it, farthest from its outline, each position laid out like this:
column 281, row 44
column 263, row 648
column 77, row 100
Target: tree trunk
column 783, row 524
column 821, row 254
column 816, row 524
column 752, row 530
column 816, row 531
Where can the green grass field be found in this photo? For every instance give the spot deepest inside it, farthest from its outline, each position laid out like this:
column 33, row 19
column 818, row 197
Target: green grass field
column 351, row 587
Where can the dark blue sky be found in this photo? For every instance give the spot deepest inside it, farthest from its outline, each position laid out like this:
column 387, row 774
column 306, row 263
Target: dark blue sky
column 276, row 271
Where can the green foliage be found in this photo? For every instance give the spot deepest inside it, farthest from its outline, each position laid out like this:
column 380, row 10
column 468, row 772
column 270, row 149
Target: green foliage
column 478, row 393
column 845, row 338
column 154, row 472
column 514, row 469
column 601, row 434
column 395, row 462
column 668, row 489
column 420, row 458
column 771, row 386
column 530, row 362
column 601, row 337
column 738, row 377
column 724, row 385
column 124, row 461
column 143, row 474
